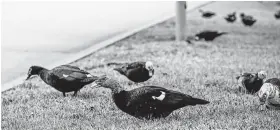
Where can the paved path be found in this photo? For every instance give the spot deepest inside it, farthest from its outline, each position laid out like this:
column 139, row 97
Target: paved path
column 40, row 33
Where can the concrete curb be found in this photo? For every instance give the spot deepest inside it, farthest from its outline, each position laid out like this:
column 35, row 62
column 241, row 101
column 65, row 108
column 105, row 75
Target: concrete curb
column 97, row 47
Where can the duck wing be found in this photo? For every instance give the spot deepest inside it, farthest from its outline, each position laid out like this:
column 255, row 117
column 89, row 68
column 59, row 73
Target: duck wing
column 178, row 99
column 158, row 96
column 135, row 65
column 274, row 81
column 71, row 67
column 144, row 94
column 69, row 73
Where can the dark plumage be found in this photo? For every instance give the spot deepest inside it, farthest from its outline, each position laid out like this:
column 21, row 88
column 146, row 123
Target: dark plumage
column 136, row 71
column 247, row 20
column 251, row 82
column 64, row 78
column 209, row 35
column 277, row 15
column 205, row 35
column 231, row 17
column 207, row 14
column 148, row 101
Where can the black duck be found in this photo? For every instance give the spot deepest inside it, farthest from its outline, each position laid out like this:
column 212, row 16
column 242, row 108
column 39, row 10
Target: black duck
column 148, row 102
column 207, row 14
column 247, row 20
column 207, row 35
column 64, row 78
column 251, row 82
column 136, row 71
column 231, row 17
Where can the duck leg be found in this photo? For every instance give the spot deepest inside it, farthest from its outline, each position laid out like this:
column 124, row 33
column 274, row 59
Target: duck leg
column 75, row 93
column 64, row 94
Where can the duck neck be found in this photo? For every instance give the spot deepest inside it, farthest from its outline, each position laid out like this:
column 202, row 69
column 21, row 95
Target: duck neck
column 117, row 89
column 43, row 73
column 42, row 70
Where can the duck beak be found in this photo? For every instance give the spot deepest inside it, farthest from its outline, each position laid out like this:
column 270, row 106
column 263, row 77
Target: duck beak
column 28, row 77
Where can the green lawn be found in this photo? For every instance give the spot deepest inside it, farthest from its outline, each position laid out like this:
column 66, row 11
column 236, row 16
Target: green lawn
column 205, row 70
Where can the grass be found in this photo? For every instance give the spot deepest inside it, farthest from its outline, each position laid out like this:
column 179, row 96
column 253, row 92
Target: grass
column 205, row 70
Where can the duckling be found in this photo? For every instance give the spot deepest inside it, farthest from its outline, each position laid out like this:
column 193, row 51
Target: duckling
column 277, row 15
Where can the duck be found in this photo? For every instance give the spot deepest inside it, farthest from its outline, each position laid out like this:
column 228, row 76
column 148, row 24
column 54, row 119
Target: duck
column 207, row 14
column 148, row 102
column 207, row 35
column 231, row 17
column 247, row 20
column 269, row 94
column 277, row 15
column 251, row 82
column 136, row 71
column 64, row 78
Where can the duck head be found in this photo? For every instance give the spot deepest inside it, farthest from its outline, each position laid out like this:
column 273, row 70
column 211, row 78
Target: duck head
column 109, row 83
column 149, row 66
column 33, row 70
column 262, row 74
column 121, row 70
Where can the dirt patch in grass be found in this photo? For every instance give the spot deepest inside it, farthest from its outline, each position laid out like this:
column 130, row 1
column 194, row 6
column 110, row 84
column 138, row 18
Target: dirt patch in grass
column 204, row 69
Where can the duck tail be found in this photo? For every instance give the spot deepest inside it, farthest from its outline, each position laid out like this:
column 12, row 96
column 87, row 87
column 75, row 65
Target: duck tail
column 114, row 63
column 196, row 101
column 89, row 79
column 222, row 33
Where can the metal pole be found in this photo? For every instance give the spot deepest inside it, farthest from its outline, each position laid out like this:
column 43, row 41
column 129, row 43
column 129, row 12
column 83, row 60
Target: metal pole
column 181, row 7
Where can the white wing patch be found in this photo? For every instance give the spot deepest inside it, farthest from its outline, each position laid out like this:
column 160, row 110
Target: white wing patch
column 64, row 75
column 160, row 97
column 89, row 75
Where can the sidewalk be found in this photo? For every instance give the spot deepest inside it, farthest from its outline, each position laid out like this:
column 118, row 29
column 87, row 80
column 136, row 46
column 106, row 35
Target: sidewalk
column 45, row 36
